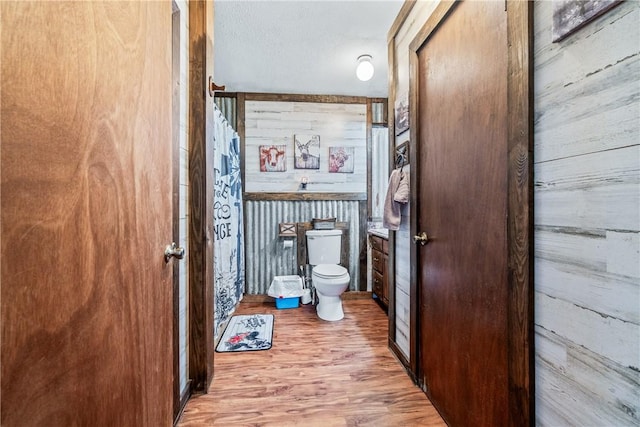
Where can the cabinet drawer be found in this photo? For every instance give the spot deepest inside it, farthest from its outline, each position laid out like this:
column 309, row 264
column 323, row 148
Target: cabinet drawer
column 378, row 262
column 378, row 283
column 376, row 243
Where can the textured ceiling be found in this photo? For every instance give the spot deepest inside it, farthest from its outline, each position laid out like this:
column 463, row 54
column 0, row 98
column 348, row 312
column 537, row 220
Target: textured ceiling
column 308, row 47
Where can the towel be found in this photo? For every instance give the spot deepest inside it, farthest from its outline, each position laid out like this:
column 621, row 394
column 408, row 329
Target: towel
column 398, row 185
column 402, row 193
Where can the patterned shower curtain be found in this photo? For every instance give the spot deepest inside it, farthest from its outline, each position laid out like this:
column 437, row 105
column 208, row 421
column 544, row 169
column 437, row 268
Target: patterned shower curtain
column 228, row 222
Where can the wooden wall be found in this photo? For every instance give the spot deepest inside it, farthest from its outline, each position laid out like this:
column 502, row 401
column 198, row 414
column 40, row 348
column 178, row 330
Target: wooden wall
column 402, row 296
column 275, row 197
column 276, row 122
column 587, row 214
column 183, row 234
column 587, row 220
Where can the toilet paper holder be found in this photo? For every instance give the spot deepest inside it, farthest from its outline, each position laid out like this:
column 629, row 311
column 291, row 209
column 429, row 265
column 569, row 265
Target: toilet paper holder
column 287, row 230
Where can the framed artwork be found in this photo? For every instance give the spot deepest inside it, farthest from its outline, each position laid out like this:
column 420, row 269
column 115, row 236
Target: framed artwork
column 570, row 15
column 306, row 151
column 401, row 111
column 341, row 159
column 273, row 158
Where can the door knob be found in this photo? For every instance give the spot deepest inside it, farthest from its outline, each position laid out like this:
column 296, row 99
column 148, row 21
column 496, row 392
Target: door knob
column 173, row 251
column 421, row 238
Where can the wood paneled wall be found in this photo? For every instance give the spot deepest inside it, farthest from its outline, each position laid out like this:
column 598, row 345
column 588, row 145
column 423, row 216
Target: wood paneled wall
column 587, row 216
column 275, row 122
column 587, row 220
column 274, row 197
column 183, row 194
column 402, row 276
column 402, row 294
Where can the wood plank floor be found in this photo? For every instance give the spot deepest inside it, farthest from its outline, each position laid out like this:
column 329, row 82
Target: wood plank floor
column 317, row 373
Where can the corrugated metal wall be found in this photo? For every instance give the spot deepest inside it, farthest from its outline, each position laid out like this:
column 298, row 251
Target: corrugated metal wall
column 228, row 107
column 265, row 255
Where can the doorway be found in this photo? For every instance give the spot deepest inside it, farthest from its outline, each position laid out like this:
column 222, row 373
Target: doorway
column 470, row 100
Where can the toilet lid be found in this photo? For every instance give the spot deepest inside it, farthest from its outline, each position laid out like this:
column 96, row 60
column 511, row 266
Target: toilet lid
column 329, row 271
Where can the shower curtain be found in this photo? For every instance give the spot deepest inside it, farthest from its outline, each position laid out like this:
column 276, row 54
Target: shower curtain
column 228, row 222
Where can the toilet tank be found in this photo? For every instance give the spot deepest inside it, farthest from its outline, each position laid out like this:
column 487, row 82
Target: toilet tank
column 323, row 246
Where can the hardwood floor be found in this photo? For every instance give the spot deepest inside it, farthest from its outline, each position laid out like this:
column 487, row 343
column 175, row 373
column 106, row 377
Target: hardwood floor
column 317, row 373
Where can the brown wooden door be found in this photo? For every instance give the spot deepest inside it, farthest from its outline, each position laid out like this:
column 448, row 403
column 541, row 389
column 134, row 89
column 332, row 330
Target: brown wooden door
column 86, row 214
column 462, row 206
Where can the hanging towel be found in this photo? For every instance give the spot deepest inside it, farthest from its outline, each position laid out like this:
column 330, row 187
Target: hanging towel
column 402, row 193
column 391, row 216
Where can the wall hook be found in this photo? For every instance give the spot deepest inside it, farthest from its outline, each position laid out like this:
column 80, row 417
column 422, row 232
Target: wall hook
column 214, row 87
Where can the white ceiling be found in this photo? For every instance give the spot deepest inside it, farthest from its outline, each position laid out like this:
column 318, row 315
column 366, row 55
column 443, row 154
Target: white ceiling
column 301, row 46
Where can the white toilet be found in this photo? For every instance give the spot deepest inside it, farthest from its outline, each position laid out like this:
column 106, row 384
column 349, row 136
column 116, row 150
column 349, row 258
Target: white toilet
column 329, row 279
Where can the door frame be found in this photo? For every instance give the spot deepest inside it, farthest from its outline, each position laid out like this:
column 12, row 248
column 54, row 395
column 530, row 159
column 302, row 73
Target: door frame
column 201, row 182
column 519, row 206
column 178, row 39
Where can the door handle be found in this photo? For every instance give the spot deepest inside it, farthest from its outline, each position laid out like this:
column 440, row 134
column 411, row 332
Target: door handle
column 421, row 238
column 173, row 251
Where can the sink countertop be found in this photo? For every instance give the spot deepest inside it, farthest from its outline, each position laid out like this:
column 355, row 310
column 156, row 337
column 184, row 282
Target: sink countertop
column 380, row 232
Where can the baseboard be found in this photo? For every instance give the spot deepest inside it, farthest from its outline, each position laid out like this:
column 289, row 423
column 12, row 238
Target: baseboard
column 403, row 361
column 261, row 298
column 357, row 295
column 184, row 398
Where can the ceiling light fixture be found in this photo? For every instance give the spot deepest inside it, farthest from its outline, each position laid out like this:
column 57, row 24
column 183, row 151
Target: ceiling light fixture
column 364, row 70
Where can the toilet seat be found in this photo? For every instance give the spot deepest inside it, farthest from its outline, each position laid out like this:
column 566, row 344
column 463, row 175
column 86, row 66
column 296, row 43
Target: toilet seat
column 329, row 271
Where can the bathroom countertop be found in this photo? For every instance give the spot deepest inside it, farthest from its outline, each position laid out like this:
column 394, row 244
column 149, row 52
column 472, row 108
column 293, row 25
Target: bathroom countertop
column 380, row 232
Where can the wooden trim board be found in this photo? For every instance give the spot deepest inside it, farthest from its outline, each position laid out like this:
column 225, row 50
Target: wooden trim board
column 201, row 180
column 305, row 196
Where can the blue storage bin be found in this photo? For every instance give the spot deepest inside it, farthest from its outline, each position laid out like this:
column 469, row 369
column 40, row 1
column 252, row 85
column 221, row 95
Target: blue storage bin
column 282, row 303
column 286, row 290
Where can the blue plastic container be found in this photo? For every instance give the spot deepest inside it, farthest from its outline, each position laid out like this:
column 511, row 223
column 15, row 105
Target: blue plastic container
column 287, row 303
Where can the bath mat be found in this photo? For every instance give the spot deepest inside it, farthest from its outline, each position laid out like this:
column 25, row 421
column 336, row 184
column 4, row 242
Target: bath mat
column 248, row 332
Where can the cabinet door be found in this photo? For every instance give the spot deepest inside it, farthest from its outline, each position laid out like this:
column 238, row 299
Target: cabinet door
column 378, row 284
column 385, row 282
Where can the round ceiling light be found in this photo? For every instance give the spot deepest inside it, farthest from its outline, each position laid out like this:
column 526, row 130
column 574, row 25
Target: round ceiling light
column 364, row 70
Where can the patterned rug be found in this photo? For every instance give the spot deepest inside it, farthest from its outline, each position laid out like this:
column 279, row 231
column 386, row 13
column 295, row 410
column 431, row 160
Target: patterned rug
column 246, row 333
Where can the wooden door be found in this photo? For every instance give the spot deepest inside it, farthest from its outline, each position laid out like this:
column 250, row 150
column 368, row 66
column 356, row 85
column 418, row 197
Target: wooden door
column 463, row 206
column 86, row 214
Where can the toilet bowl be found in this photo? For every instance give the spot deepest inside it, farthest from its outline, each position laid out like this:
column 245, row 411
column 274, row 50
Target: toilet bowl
column 328, row 278
column 330, row 281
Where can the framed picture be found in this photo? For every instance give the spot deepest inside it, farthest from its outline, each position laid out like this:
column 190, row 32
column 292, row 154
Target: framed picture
column 306, row 151
column 341, row 159
column 401, row 111
column 570, row 15
column 273, row 158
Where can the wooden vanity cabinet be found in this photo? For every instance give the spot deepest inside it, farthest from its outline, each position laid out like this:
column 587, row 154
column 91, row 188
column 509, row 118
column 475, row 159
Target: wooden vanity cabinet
column 379, row 256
